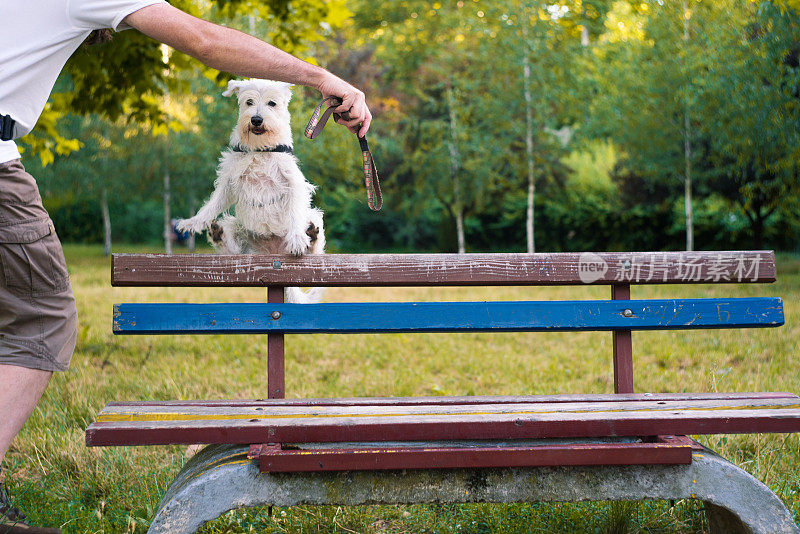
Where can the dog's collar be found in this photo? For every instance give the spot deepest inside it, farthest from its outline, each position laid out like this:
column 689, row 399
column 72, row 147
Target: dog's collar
column 279, row 148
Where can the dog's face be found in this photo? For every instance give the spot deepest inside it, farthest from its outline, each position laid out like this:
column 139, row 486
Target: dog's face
column 263, row 113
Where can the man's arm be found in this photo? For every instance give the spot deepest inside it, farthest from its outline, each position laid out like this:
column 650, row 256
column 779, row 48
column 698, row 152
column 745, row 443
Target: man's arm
column 232, row 51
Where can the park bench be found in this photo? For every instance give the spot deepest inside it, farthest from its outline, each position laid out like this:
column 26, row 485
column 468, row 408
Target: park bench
column 349, row 451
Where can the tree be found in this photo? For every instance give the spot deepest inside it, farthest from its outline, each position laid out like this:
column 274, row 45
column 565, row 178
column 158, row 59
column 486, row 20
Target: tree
column 648, row 85
column 753, row 126
column 128, row 76
column 538, row 44
column 427, row 56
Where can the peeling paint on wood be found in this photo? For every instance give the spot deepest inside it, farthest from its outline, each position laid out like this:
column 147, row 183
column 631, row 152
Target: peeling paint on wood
column 443, row 269
column 458, row 455
column 545, row 316
column 168, row 423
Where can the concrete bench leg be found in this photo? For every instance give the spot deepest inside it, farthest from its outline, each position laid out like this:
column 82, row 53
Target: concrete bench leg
column 221, row 478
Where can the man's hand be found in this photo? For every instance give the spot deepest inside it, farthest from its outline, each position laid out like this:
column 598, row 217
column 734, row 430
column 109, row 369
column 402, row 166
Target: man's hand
column 238, row 53
column 354, row 104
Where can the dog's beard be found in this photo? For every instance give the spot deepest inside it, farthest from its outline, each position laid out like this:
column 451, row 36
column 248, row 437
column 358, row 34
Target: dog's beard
column 263, row 136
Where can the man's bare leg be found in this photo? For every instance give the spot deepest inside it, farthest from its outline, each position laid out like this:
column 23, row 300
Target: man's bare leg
column 20, row 391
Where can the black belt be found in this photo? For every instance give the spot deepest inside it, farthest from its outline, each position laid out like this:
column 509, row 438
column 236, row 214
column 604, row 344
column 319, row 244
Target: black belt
column 6, row 128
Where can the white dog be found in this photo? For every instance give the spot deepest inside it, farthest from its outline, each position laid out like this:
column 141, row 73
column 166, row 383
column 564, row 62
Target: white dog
column 259, row 176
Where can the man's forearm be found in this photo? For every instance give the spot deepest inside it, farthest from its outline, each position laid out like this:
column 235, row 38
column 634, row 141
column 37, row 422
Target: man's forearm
column 223, row 48
column 232, row 51
column 238, row 53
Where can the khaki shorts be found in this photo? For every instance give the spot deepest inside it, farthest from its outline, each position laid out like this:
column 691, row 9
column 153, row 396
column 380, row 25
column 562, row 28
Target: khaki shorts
column 38, row 319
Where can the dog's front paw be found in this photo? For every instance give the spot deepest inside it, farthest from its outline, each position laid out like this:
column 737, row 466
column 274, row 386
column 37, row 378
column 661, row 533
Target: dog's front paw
column 297, row 244
column 193, row 225
column 215, row 233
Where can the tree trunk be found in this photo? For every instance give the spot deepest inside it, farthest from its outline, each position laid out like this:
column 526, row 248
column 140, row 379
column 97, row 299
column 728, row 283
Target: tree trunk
column 167, row 215
column 758, row 218
column 106, row 223
column 460, row 230
column 687, row 191
column 758, row 231
column 455, row 169
column 190, row 242
column 526, row 72
column 687, row 145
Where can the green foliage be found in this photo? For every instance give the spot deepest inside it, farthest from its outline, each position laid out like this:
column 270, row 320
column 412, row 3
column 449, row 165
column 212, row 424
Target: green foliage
column 129, row 76
column 727, row 83
column 445, row 82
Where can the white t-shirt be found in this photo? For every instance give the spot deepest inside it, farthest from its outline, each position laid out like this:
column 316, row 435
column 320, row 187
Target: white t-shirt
column 37, row 37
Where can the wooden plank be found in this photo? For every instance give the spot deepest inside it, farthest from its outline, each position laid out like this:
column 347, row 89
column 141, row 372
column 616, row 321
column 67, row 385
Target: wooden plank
column 118, row 425
column 443, row 269
column 276, row 375
column 464, row 401
column 622, row 344
column 447, row 316
column 282, row 409
column 663, row 450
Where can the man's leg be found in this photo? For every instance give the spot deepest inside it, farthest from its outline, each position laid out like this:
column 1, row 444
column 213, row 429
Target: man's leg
column 20, row 391
column 38, row 318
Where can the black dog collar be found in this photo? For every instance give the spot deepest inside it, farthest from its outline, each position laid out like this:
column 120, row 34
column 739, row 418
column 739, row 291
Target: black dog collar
column 279, row 148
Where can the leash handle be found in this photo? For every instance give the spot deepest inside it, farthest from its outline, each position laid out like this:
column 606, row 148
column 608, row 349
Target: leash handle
column 315, row 126
column 374, row 196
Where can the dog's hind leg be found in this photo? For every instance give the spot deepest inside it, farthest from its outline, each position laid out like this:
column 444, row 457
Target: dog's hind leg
column 316, row 231
column 223, row 235
column 295, row 295
column 214, row 235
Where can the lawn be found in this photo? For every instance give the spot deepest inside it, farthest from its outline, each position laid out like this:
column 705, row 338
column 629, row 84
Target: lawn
column 60, row 482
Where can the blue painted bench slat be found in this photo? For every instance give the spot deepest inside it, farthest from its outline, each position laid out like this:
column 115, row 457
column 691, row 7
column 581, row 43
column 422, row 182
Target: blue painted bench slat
column 252, row 318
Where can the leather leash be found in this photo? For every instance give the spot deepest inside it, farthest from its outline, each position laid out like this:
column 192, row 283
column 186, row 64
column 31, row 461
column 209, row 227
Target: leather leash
column 315, row 125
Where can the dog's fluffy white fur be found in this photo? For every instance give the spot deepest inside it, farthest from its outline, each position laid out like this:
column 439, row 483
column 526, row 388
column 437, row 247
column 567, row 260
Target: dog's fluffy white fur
column 270, row 195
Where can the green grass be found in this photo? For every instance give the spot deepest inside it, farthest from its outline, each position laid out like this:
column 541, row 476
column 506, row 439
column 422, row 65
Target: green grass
column 60, row 482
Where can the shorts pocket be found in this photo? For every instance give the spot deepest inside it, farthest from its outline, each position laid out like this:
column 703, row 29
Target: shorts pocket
column 32, row 259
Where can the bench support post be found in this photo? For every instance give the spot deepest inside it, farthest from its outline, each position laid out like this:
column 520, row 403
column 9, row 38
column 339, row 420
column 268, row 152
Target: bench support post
column 623, row 347
column 275, row 352
column 221, row 477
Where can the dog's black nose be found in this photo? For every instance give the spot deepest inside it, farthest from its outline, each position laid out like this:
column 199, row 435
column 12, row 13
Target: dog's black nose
column 256, row 120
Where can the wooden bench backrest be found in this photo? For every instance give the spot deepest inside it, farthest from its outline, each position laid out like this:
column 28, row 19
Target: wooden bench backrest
column 619, row 270
column 360, row 270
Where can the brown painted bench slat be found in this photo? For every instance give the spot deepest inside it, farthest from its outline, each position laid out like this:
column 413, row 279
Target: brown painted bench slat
column 476, row 399
column 663, row 450
column 168, row 423
column 358, row 270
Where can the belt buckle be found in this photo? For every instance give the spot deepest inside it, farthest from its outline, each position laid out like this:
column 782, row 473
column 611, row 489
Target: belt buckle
column 6, row 128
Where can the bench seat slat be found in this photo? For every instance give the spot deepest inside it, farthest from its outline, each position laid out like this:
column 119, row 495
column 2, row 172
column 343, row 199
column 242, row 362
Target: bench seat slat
column 138, row 425
column 447, row 316
column 468, row 400
column 357, row 270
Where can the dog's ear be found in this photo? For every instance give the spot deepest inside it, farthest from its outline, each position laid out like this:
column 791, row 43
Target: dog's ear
column 233, row 87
